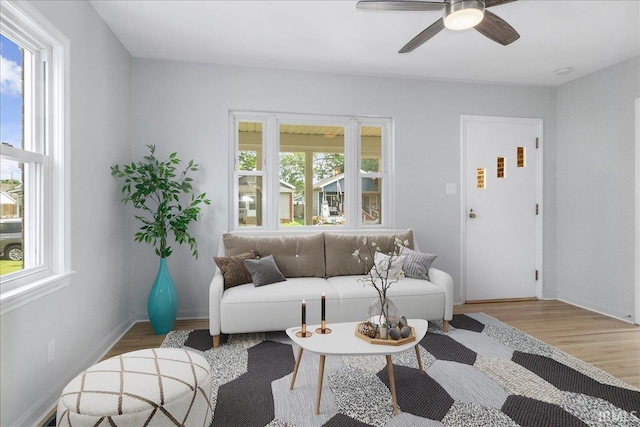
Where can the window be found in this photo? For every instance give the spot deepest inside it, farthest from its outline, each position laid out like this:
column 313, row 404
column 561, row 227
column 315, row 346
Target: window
column 480, row 174
column 34, row 246
column 521, row 156
column 304, row 170
column 500, row 167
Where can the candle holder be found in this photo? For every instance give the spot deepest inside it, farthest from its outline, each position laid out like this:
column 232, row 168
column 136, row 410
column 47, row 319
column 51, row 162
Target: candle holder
column 323, row 328
column 303, row 333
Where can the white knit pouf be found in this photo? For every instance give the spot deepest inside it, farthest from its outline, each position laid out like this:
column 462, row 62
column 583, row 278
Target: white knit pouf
column 153, row 387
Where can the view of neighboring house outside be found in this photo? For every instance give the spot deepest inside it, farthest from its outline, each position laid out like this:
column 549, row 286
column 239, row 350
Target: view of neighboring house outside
column 250, row 200
column 286, row 202
column 250, row 197
column 328, row 200
column 9, row 205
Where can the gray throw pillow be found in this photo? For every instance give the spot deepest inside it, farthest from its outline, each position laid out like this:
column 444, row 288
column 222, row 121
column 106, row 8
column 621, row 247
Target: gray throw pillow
column 264, row 271
column 417, row 264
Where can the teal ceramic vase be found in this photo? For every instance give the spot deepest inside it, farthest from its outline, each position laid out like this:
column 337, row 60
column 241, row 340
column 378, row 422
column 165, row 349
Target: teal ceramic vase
column 162, row 305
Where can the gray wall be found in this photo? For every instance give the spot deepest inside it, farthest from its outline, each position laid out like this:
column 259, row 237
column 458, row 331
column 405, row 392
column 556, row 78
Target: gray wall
column 595, row 216
column 86, row 317
column 184, row 106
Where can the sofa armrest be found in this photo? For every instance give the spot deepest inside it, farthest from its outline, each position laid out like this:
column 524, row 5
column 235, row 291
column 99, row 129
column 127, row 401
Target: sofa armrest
column 216, row 288
column 444, row 280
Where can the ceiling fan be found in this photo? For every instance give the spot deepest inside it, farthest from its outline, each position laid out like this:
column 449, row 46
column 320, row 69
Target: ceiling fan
column 456, row 15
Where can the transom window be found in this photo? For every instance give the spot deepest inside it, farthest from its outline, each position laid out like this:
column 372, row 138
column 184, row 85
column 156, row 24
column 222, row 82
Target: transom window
column 306, row 170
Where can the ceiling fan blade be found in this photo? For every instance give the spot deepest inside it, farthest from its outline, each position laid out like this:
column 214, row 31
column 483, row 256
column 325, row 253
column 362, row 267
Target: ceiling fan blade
column 497, row 29
column 425, row 35
column 491, row 3
column 410, row 5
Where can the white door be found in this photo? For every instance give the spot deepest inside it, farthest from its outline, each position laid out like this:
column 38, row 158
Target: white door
column 502, row 209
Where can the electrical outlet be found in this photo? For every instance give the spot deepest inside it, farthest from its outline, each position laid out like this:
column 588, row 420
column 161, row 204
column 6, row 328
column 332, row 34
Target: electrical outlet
column 51, row 350
column 451, row 188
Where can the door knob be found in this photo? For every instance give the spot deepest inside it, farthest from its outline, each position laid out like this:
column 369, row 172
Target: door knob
column 471, row 214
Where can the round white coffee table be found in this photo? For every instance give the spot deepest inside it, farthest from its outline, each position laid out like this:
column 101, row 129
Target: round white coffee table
column 342, row 341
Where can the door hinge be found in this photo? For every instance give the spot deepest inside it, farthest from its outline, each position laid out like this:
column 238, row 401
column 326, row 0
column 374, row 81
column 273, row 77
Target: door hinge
column 537, row 209
column 537, row 142
column 536, row 274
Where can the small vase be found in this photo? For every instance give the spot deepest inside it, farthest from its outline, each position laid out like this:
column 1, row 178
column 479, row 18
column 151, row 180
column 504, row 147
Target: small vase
column 162, row 304
column 383, row 312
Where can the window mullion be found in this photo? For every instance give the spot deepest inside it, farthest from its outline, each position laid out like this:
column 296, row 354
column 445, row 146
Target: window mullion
column 388, row 195
column 272, row 168
column 18, row 155
column 352, row 172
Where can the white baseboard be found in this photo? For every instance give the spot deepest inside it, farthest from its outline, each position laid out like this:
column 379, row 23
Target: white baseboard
column 549, row 296
column 588, row 305
column 193, row 314
column 39, row 410
column 183, row 315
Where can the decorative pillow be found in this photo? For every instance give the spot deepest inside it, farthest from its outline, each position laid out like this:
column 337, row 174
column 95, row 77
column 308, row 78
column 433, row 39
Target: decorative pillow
column 264, row 271
column 233, row 269
column 382, row 264
column 417, row 264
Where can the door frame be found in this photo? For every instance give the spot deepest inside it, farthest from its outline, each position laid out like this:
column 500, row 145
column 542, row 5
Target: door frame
column 637, row 215
column 464, row 119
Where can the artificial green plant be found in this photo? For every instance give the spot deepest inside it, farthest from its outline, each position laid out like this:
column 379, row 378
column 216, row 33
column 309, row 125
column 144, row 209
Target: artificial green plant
column 158, row 189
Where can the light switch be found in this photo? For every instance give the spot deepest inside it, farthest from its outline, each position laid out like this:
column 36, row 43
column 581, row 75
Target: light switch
column 451, row 188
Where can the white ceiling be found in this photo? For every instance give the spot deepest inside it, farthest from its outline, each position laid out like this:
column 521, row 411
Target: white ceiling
column 332, row 36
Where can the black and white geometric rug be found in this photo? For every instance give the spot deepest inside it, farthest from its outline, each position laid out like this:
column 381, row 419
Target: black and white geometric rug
column 481, row 373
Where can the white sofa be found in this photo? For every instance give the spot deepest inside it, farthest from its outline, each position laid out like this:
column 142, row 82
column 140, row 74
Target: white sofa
column 316, row 262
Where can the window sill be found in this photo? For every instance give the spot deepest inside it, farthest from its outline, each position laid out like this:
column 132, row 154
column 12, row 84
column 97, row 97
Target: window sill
column 18, row 297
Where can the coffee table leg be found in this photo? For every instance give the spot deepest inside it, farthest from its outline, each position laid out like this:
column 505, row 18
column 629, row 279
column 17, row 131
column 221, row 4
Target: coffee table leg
column 392, row 384
column 419, row 360
column 320, row 375
column 295, row 369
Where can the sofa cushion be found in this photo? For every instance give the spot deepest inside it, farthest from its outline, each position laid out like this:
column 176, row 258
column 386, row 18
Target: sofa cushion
column 414, row 298
column 417, row 264
column 264, row 271
column 233, row 269
column 276, row 307
column 296, row 256
column 339, row 250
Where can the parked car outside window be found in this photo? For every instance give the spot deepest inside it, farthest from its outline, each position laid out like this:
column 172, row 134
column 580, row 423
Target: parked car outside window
column 11, row 238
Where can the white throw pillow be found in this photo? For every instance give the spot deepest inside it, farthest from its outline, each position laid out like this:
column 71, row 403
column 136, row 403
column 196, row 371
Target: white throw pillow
column 382, row 263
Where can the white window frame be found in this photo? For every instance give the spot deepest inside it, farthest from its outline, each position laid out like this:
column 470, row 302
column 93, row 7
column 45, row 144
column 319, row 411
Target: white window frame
column 47, row 225
column 353, row 176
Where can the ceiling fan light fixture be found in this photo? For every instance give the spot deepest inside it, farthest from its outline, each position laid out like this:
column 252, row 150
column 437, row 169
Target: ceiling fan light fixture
column 462, row 15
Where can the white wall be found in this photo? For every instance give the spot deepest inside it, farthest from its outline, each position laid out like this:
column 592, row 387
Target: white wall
column 184, row 106
column 86, row 317
column 595, row 177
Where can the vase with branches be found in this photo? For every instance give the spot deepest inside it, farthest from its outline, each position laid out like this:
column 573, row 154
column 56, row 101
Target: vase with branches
column 164, row 195
column 383, row 270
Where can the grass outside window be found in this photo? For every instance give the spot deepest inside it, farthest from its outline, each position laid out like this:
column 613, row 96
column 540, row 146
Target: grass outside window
column 7, row 266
